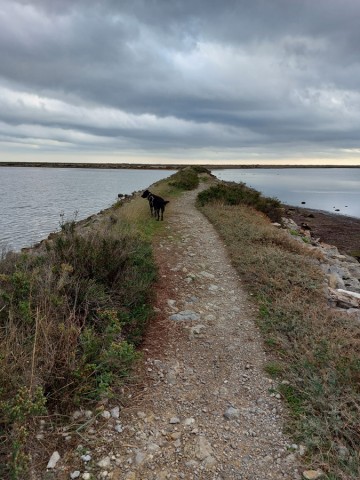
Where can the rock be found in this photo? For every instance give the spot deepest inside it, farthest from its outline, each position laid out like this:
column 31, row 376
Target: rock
column 312, row 474
column 174, row 420
column 104, row 462
column 197, row 330
column 118, row 428
column 115, row 412
column 86, row 476
column 289, row 224
column 302, row 450
column 203, row 449
column 189, row 421
column 55, row 457
column 231, row 413
column 106, row 414
column 343, row 300
column 185, row 315
column 140, row 457
column 213, row 288
column 207, row 274
column 86, row 458
column 347, row 292
column 75, row 474
column 77, row 414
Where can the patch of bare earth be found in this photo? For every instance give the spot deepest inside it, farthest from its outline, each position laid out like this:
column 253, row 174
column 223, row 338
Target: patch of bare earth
column 206, row 410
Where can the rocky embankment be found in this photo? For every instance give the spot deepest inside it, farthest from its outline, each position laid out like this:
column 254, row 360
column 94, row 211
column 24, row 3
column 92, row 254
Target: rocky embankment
column 342, row 272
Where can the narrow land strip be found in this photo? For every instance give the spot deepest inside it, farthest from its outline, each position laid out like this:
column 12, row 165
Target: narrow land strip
column 207, row 411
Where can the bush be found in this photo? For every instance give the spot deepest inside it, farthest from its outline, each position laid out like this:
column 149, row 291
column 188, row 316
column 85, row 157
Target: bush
column 238, row 193
column 71, row 317
column 186, row 179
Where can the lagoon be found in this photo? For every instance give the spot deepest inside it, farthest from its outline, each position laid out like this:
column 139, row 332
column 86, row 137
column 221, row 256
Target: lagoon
column 35, row 200
column 335, row 190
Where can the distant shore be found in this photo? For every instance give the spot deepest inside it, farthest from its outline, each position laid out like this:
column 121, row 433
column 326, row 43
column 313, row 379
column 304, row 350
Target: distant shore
column 142, row 166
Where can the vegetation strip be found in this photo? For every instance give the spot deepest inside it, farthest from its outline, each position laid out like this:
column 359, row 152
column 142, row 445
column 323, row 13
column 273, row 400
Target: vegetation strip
column 315, row 349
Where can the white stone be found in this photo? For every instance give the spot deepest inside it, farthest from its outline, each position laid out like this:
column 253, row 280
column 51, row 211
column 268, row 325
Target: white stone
column 55, row 457
column 106, row 414
column 86, row 476
column 115, row 412
column 104, row 462
column 86, row 458
column 174, row 420
column 75, row 474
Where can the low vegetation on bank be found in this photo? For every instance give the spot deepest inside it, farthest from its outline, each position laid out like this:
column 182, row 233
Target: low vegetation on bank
column 72, row 313
column 315, row 350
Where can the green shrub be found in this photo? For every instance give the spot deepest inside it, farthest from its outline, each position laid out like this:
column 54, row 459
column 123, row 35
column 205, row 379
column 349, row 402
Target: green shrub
column 71, row 316
column 185, row 179
column 238, row 193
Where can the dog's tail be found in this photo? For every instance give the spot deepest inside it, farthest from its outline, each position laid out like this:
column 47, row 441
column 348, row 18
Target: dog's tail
column 166, row 202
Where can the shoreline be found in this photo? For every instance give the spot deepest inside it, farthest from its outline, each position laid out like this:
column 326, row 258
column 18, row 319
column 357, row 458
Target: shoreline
column 142, row 166
column 335, row 229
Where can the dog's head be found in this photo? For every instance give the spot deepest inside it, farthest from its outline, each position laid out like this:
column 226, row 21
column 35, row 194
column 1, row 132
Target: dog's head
column 145, row 194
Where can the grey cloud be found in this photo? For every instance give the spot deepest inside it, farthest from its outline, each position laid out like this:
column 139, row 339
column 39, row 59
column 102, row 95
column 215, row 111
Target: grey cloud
column 232, row 73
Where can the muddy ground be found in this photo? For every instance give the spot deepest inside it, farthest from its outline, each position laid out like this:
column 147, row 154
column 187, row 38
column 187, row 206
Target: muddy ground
column 339, row 230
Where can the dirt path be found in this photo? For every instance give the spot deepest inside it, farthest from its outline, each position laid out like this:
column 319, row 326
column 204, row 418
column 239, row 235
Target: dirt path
column 207, row 412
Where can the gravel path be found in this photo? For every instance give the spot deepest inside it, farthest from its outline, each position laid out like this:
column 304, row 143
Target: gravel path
column 207, row 411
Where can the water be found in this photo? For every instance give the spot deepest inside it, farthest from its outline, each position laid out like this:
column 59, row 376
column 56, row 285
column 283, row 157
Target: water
column 32, row 199
column 326, row 189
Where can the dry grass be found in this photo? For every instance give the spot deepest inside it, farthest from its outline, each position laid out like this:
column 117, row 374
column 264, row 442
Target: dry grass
column 315, row 350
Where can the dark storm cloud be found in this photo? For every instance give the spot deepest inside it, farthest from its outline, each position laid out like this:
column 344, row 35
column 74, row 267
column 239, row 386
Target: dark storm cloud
column 110, row 75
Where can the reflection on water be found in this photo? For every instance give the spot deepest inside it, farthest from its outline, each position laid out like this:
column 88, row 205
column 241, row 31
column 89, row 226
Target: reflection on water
column 32, row 199
column 334, row 190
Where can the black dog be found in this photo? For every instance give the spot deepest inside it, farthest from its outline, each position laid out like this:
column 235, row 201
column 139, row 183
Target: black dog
column 157, row 204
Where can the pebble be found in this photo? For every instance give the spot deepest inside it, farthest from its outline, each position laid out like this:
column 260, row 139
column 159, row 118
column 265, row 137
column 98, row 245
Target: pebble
column 104, row 462
column 86, row 476
column 312, row 474
column 231, row 413
column 115, row 412
column 55, row 457
column 185, row 315
column 106, row 414
column 75, row 474
column 86, row 458
column 174, row 420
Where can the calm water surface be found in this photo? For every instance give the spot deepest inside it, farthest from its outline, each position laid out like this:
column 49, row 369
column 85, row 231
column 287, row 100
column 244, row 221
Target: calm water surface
column 32, row 199
column 321, row 188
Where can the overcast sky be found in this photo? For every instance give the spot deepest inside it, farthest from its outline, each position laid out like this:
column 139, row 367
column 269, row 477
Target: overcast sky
column 180, row 80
